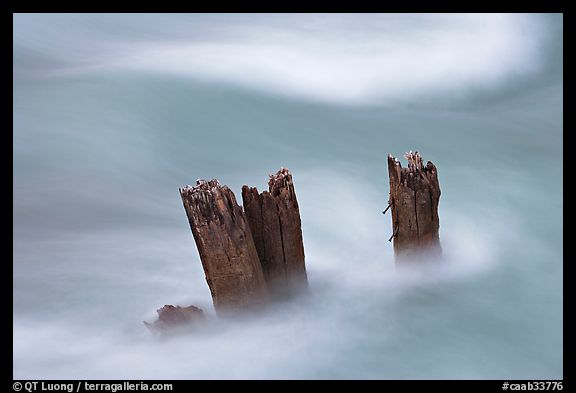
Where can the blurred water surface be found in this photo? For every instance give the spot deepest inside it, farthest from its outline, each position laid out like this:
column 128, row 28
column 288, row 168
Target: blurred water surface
column 112, row 113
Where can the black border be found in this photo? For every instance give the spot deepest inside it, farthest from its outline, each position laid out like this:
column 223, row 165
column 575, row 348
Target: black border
column 261, row 6
column 544, row 6
column 568, row 268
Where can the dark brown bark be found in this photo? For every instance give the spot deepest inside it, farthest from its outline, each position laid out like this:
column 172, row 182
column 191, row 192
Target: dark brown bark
column 414, row 197
column 274, row 219
column 225, row 245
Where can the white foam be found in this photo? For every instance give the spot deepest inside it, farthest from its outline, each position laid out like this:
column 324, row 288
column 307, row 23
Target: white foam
column 353, row 59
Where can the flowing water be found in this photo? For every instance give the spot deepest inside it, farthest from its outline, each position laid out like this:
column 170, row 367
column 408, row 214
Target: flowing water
column 112, row 113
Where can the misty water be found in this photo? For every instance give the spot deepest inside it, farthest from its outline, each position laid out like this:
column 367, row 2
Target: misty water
column 112, row 113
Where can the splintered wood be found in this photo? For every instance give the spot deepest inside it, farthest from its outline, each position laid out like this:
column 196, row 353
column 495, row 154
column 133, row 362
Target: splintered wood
column 414, row 197
column 249, row 256
column 229, row 257
column 274, row 218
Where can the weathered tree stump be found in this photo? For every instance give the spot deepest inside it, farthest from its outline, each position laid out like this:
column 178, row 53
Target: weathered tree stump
column 274, row 219
column 414, row 197
column 225, row 245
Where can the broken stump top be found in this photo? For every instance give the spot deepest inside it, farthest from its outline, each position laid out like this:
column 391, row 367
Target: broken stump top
column 416, row 170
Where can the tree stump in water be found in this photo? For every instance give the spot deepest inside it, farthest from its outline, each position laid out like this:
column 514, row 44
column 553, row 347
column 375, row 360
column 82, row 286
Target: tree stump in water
column 414, row 196
column 274, row 219
column 225, row 245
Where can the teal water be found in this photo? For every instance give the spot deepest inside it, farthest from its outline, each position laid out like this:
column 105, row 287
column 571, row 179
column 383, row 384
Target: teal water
column 112, row 113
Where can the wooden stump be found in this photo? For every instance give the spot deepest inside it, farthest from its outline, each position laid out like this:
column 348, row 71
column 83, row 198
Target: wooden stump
column 274, row 219
column 225, row 245
column 414, row 196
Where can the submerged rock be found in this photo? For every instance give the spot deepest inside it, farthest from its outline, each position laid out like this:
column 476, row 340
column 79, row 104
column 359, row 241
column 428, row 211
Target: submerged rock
column 175, row 317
